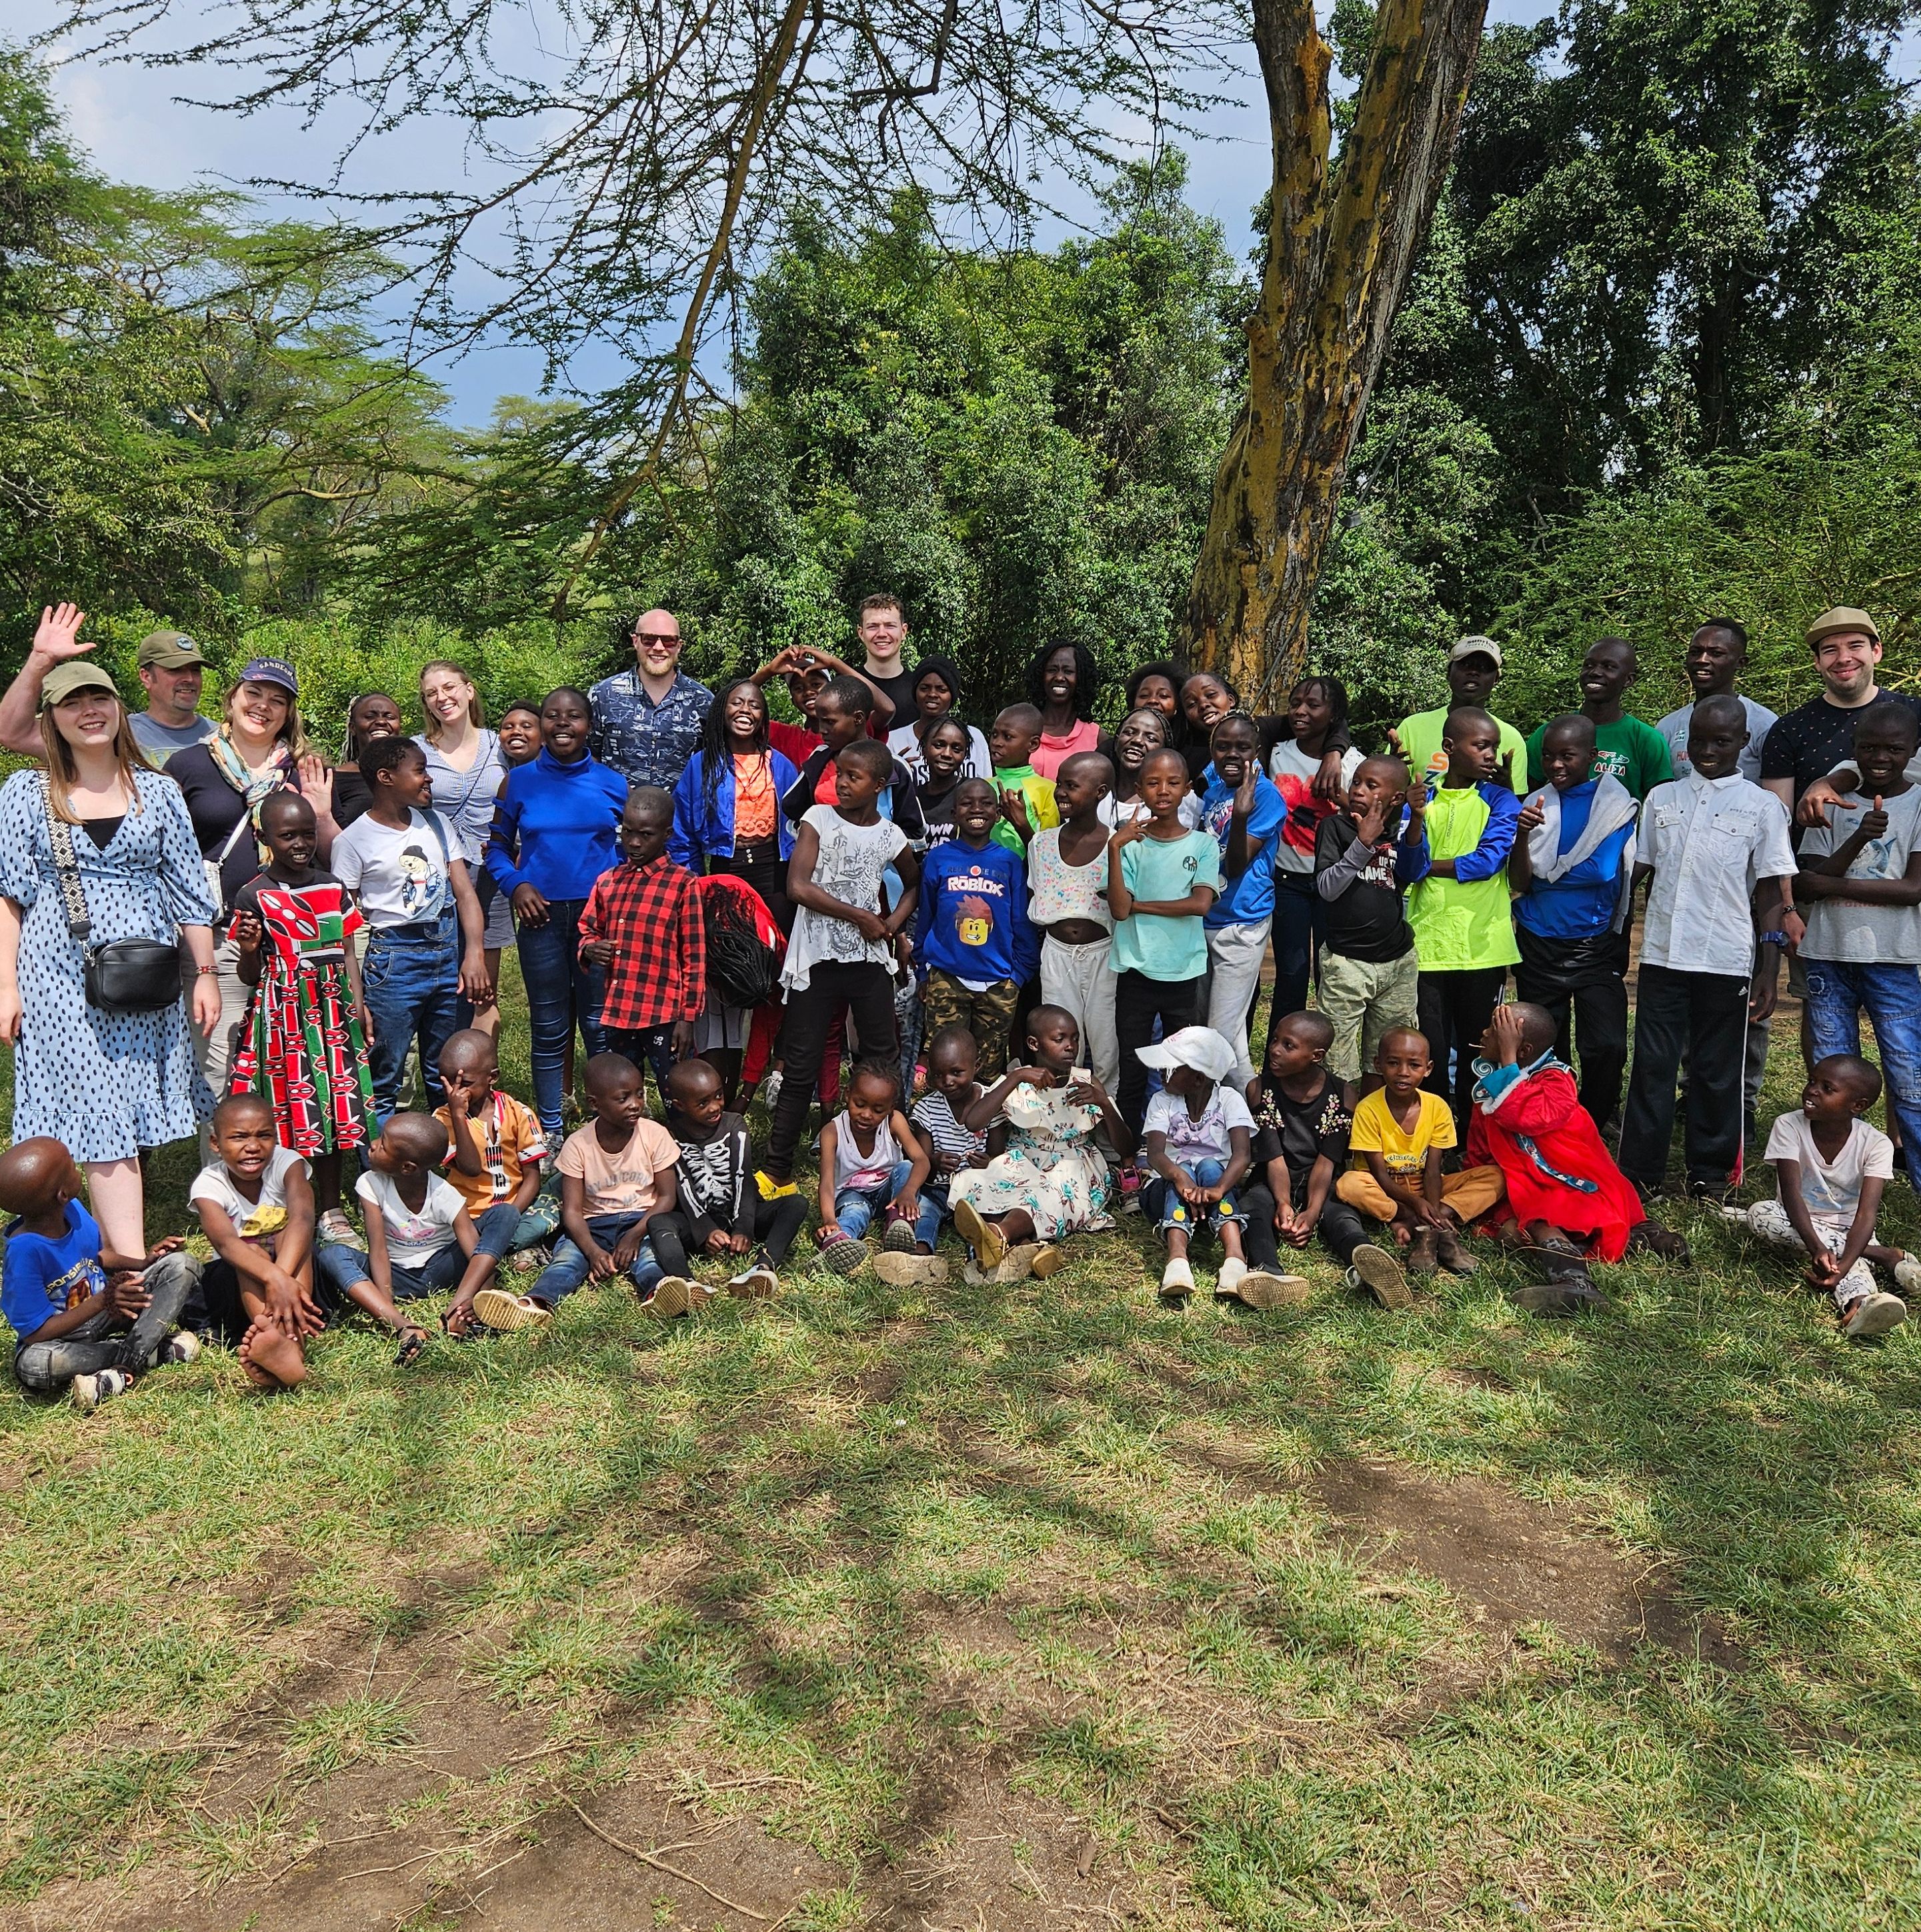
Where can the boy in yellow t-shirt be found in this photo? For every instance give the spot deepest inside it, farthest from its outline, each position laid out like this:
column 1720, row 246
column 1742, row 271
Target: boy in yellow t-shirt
column 1400, row 1132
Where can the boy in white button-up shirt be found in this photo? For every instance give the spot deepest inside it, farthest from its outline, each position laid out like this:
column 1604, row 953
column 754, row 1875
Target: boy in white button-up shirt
column 1710, row 842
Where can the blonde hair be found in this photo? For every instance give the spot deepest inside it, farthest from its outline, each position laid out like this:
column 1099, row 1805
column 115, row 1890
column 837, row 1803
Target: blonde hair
column 61, row 770
column 476, row 712
column 292, row 734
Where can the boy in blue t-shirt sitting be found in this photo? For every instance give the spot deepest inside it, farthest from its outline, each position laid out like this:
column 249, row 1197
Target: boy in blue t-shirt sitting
column 83, row 1317
column 972, row 939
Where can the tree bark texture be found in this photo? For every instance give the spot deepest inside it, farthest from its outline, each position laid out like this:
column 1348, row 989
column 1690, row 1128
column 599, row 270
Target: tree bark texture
column 1342, row 237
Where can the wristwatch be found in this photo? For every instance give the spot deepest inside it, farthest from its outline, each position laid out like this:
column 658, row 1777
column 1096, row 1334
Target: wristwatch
column 1777, row 938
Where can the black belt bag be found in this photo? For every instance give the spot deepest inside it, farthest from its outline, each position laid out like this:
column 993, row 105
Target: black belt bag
column 125, row 976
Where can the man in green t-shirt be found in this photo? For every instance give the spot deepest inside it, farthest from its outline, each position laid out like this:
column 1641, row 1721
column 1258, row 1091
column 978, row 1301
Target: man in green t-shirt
column 1474, row 669
column 1624, row 748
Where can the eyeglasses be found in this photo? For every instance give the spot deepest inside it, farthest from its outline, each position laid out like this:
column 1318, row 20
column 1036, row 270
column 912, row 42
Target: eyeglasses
column 656, row 637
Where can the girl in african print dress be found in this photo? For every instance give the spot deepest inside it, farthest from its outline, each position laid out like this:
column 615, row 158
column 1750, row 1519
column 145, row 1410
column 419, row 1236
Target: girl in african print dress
column 304, row 1043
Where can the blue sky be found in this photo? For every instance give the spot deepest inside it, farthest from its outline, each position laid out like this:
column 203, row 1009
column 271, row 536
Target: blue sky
column 131, row 119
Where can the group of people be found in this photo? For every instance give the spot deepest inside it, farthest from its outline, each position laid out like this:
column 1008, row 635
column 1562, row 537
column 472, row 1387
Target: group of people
column 1017, row 967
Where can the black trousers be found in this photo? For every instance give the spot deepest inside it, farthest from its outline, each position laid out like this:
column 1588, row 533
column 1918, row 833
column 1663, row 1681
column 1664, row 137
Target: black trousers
column 1454, row 1009
column 1703, row 1018
column 867, row 990
column 1580, row 983
column 771, row 1225
column 1338, row 1226
column 1137, row 1002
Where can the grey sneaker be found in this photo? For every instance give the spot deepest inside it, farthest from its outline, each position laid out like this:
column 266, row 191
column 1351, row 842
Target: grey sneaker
column 1874, row 1315
column 181, row 1348
column 333, row 1228
column 90, row 1391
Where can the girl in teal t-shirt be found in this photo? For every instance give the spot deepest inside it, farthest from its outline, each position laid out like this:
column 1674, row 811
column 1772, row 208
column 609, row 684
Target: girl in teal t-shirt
column 1161, row 880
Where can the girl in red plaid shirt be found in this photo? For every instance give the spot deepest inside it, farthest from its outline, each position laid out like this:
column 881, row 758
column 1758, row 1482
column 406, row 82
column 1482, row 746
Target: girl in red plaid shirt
column 641, row 926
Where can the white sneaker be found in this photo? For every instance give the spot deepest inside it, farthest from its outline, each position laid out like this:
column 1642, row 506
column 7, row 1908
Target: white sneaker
column 90, row 1391
column 1231, row 1273
column 1176, row 1279
column 1907, row 1273
column 183, row 1347
column 1874, row 1315
column 770, row 1090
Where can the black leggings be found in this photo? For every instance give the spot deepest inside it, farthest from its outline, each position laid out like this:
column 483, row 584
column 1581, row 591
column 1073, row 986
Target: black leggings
column 867, row 991
column 1454, row 1009
column 1137, row 1002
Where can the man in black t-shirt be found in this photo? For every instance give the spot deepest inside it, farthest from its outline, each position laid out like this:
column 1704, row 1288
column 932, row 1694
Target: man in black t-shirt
column 882, row 627
column 1808, row 743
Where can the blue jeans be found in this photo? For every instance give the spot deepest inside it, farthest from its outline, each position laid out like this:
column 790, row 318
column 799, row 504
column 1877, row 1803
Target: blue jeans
column 561, row 994
column 529, row 1226
column 568, row 1270
column 855, row 1210
column 934, row 1210
column 1169, row 1211
column 339, row 1267
column 412, row 976
column 1837, row 991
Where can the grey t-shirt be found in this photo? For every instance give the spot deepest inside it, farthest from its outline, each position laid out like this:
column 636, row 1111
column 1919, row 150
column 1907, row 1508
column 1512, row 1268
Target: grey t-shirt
column 1863, row 935
column 1760, row 721
column 160, row 741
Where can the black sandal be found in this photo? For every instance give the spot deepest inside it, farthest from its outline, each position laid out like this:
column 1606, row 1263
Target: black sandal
column 413, row 1345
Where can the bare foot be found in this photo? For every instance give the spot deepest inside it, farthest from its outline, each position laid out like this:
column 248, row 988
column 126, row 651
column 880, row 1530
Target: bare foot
column 271, row 1358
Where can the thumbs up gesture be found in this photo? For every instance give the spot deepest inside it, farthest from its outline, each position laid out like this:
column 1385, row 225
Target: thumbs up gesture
column 1874, row 824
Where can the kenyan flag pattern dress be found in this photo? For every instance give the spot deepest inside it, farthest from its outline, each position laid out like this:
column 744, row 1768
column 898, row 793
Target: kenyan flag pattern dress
column 301, row 1046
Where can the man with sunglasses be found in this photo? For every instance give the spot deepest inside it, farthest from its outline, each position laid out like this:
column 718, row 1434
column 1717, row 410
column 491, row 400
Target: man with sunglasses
column 646, row 721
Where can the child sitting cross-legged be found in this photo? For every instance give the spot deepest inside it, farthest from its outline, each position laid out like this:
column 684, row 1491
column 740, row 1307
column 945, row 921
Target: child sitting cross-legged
column 953, row 1086
column 256, row 1207
column 497, row 1155
column 714, row 1178
column 421, row 1239
column 870, row 1164
column 1831, row 1167
column 1303, row 1116
column 1400, row 1132
column 1045, row 1178
column 1566, row 1199
column 1199, row 1141
column 84, row 1318
column 617, row 1202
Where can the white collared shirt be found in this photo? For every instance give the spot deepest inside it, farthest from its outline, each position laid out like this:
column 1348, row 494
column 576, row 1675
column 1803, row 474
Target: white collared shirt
column 1709, row 840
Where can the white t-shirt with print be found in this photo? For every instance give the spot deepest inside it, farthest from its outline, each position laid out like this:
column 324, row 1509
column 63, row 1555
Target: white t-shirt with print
column 1831, row 1190
column 413, row 1234
column 259, row 1221
column 399, row 878
column 854, row 860
column 1190, row 1140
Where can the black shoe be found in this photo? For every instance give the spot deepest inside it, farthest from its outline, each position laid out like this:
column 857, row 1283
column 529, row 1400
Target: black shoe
column 1569, row 1295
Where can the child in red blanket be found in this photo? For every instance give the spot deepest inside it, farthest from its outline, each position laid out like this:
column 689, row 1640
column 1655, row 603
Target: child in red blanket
column 1568, row 1200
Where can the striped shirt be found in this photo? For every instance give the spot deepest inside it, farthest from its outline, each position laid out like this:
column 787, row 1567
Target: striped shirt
column 934, row 1116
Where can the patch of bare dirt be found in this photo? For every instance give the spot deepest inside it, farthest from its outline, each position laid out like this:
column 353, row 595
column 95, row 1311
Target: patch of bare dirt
column 1511, row 1562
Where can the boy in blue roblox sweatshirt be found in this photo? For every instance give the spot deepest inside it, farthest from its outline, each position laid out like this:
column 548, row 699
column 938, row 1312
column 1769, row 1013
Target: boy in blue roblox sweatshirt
column 973, row 941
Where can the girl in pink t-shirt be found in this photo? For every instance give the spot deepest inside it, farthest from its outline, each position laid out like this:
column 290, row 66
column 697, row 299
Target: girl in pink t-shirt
column 1064, row 682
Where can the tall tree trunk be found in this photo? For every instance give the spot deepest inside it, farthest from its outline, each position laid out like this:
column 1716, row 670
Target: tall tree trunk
column 1341, row 240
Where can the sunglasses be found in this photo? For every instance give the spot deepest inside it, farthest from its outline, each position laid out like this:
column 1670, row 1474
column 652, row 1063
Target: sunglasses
column 655, row 637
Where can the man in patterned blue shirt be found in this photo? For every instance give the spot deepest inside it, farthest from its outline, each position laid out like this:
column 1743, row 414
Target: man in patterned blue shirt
column 646, row 721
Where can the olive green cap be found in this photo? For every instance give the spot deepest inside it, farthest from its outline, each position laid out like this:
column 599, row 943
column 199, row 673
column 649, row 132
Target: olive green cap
column 64, row 680
column 1842, row 617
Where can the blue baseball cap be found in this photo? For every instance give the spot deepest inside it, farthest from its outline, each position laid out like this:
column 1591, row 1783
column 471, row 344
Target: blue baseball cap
column 272, row 670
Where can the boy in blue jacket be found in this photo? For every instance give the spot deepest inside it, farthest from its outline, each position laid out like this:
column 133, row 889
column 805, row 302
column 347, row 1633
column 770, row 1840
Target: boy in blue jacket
column 973, row 940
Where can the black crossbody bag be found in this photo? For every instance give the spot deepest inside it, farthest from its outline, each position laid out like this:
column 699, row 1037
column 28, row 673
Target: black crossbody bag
column 126, row 975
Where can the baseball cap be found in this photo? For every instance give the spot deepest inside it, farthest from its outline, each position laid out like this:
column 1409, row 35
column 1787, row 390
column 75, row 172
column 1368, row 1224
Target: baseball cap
column 1475, row 647
column 64, row 680
column 1201, row 1048
column 1842, row 617
column 169, row 650
column 271, row 671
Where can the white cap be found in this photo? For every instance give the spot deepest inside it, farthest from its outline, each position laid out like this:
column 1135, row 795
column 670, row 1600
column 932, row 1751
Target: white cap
column 1201, row 1048
column 1475, row 647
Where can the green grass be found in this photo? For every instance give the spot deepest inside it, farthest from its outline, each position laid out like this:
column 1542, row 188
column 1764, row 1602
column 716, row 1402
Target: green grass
column 837, row 1565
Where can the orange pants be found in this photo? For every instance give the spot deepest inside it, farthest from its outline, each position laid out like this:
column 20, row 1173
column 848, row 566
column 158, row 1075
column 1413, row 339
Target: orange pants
column 1470, row 1193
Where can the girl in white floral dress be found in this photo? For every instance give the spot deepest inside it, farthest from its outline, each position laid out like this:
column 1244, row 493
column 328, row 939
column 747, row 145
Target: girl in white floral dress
column 1045, row 1179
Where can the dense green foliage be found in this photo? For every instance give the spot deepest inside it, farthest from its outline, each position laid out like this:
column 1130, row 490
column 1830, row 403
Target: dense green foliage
column 1661, row 358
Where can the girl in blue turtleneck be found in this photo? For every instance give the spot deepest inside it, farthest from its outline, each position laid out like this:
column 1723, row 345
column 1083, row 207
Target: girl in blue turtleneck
column 560, row 814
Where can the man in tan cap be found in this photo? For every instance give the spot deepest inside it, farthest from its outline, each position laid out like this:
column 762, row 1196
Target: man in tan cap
column 170, row 667
column 1808, row 743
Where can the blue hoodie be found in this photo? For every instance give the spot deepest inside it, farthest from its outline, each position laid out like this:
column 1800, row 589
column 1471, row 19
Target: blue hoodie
column 973, row 922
